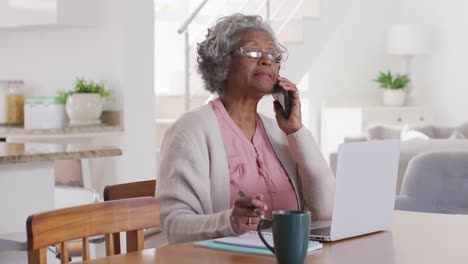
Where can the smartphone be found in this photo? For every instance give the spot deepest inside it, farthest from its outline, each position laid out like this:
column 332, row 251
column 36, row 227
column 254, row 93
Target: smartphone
column 284, row 98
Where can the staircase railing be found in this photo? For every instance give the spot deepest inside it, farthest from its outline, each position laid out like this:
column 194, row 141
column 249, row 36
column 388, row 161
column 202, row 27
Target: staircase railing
column 212, row 20
column 183, row 29
column 290, row 16
column 278, row 9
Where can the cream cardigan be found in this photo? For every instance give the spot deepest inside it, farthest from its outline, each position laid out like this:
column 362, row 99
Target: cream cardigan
column 193, row 184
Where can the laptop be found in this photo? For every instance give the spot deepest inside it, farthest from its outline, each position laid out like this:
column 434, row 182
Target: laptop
column 365, row 188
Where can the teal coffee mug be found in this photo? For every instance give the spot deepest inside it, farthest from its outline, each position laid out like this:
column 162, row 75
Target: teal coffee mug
column 290, row 235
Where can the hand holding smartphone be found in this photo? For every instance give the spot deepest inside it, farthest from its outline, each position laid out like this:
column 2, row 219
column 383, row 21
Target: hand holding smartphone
column 284, row 99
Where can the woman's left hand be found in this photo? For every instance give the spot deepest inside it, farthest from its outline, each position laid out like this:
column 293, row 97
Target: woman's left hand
column 294, row 122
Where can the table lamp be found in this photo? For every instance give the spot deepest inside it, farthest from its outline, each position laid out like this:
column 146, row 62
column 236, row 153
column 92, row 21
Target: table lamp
column 408, row 41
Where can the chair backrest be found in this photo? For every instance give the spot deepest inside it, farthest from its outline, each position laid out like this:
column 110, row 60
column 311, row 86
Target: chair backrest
column 105, row 218
column 130, row 190
column 436, row 182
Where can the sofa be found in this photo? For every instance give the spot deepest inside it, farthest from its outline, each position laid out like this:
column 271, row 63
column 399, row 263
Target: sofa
column 414, row 141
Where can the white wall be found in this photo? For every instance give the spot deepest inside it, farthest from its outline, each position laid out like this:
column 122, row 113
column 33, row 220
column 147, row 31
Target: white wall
column 441, row 74
column 170, row 51
column 342, row 53
column 119, row 50
column 49, row 58
column 138, row 92
column 345, row 49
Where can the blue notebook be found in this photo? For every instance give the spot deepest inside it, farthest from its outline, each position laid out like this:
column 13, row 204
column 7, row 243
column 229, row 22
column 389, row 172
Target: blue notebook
column 247, row 243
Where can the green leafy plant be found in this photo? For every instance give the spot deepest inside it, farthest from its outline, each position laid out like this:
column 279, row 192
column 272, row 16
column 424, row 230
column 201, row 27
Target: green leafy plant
column 84, row 86
column 390, row 81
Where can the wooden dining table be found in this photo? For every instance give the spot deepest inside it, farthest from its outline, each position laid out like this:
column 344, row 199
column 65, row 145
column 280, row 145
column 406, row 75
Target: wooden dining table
column 414, row 238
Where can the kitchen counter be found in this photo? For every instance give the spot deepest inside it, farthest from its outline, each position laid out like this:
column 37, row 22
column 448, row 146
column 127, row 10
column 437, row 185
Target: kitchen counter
column 78, row 131
column 5, row 130
column 28, row 152
column 27, row 177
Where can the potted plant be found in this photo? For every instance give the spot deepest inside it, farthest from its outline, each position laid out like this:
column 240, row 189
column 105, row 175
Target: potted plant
column 394, row 85
column 84, row 102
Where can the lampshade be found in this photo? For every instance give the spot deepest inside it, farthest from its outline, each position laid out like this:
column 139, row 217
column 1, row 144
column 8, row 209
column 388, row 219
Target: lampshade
column 407, row 40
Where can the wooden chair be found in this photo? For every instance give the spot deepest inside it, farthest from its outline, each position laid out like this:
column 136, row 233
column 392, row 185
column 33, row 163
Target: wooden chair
column 105, row 218
column 128, row 190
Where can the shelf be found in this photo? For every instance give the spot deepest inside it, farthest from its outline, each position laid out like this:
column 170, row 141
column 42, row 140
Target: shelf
column 68, row 132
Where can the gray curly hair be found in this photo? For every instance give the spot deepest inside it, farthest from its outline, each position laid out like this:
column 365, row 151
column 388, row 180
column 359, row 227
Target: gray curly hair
column 214, row 52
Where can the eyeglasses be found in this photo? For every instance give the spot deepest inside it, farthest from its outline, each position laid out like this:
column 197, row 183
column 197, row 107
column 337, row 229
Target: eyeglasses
column 257, row 52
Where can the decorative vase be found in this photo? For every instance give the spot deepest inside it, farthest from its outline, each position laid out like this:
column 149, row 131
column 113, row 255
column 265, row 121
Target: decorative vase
column 84, row 109
column 392, row 97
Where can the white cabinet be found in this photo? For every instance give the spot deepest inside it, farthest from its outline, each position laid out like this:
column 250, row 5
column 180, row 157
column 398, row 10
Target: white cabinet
column 22, row 13
column 397, row 116
column 338, row 122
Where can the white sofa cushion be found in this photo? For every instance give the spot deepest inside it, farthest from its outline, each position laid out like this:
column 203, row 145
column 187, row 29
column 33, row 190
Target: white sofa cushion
column 381, row 131
column 457, row 135
column 410, row 134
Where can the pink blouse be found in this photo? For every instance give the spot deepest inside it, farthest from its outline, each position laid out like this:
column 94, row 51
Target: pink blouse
column 254, row 167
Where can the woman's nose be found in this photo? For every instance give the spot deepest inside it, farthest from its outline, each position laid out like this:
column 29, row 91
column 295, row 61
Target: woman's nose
column 265, row 60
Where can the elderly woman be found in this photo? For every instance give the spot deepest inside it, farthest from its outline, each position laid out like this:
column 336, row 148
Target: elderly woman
column 214, row 151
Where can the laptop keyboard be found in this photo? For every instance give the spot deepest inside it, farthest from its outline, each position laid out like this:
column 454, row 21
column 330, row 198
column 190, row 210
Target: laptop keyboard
column 323, row 231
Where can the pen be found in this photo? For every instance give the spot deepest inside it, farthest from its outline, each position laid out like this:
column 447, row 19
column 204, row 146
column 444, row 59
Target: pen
column 259, row 214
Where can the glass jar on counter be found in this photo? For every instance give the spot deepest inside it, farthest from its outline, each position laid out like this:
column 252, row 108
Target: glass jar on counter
column 15, row 103
column 3, row 101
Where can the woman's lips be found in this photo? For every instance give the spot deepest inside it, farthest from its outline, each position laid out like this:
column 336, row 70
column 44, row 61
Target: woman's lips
column 263, row 75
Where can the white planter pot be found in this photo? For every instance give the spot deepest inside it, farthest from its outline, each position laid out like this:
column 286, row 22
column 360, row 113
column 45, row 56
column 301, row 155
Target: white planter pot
column 84, row 109
column 394, row 97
